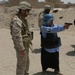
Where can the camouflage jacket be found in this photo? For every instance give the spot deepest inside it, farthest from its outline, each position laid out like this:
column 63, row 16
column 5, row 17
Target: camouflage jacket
column 20, row 32
column 40, row 19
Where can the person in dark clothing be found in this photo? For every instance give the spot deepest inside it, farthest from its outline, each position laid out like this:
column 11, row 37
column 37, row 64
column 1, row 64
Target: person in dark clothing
column 50, row 44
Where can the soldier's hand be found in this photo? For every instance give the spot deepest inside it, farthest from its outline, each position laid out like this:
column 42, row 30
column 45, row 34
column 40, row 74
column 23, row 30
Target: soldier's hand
column 22, row 53
column 66, row 26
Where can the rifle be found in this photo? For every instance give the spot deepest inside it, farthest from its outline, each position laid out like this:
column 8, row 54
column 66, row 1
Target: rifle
column 68, row 23
column 31, row 46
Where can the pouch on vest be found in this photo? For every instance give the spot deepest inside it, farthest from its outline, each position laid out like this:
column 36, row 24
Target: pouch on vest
column 26, row 41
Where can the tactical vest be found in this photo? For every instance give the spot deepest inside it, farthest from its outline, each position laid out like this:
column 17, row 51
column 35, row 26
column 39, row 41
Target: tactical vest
column 25, row 32
column 51, row 40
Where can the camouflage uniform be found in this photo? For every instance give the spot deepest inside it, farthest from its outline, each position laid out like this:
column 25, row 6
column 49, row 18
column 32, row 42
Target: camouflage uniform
column 41, row 15
column 21, row 38
column 40, row 19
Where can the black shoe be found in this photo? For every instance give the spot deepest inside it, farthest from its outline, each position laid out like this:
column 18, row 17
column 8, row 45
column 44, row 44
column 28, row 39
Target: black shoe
column 43, row 70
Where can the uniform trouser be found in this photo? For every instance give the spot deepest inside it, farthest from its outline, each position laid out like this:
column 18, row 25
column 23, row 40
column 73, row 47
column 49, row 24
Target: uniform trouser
column 22, row 63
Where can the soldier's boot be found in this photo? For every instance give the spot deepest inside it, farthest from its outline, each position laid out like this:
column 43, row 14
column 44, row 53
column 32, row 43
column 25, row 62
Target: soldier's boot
column 26, row 74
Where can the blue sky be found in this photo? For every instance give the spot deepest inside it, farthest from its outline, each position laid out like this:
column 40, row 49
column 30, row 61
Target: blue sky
column 65, row 1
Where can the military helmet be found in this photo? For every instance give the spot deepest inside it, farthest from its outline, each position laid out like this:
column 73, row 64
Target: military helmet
column 47, row 7
column 24, row 5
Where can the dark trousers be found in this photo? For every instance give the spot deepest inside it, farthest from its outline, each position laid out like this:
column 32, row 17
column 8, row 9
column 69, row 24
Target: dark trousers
column 49, row 60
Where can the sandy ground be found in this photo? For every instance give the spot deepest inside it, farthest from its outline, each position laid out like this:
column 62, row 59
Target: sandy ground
column 8, row 54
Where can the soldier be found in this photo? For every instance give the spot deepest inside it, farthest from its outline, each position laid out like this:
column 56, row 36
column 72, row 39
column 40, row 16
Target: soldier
column 41, row 15
column 21, row 37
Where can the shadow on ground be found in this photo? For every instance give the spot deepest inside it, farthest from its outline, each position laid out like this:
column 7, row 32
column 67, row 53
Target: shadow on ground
column 45, row 73
column 37, row 50
column 71, row 53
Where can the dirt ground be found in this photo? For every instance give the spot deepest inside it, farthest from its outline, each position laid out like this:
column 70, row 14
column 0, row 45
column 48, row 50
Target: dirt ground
column 8, row 53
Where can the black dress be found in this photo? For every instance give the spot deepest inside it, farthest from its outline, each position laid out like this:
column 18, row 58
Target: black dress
column 49, row 60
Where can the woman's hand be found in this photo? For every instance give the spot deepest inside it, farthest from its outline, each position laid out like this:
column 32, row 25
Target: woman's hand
column 66, row 26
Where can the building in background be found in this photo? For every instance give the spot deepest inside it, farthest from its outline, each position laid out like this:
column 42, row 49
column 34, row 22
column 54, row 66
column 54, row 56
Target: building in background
column 35, row 3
